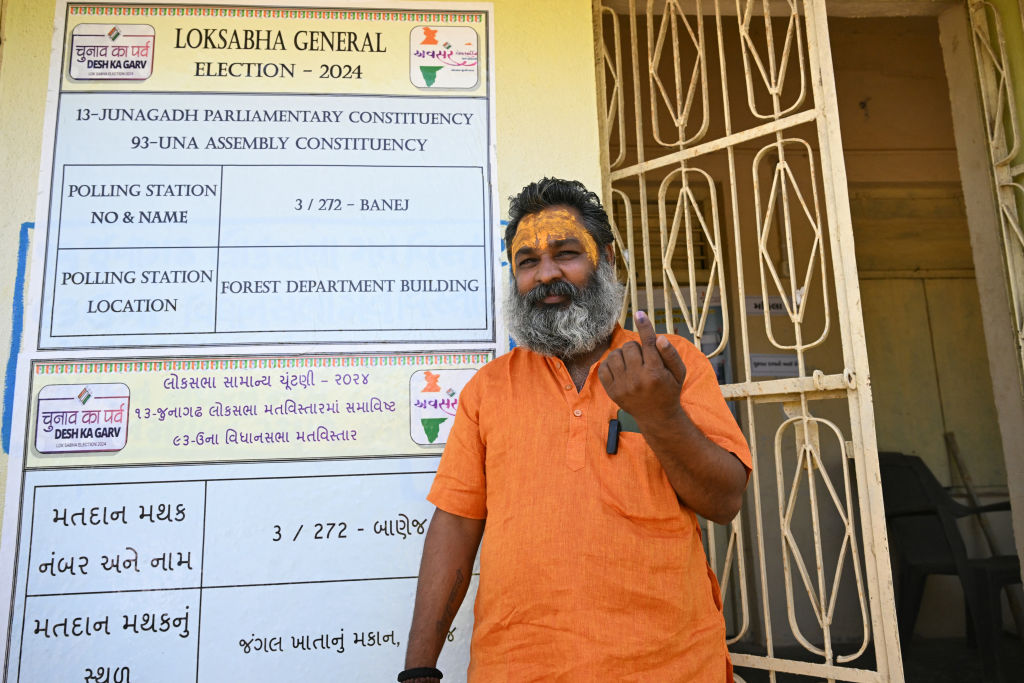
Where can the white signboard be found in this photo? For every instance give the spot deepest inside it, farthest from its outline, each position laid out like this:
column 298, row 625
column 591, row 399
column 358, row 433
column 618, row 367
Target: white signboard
column 264, row 271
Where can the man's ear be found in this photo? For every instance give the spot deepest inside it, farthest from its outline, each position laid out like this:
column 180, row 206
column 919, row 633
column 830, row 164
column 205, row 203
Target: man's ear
column 609, row 253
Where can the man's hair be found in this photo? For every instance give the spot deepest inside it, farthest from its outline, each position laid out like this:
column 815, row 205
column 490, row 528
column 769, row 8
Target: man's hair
column 547, row 192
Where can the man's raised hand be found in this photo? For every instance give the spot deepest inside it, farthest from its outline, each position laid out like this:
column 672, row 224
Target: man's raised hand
column 644, row 379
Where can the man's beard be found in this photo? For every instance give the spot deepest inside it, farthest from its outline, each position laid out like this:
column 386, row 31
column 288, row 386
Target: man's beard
column 566, row 330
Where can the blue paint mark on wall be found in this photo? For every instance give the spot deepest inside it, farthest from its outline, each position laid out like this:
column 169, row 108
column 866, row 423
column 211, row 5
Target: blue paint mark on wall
column 17, row 320
column 504, row 267
column 504, row 249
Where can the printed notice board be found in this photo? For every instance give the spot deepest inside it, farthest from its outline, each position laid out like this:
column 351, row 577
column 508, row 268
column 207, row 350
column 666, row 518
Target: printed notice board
column 264, row 270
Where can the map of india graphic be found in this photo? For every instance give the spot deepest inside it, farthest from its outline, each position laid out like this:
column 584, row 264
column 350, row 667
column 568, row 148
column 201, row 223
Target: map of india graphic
column 432, row 427
column 430, row 74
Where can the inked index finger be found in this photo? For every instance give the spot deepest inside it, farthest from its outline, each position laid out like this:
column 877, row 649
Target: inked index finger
column 645, row 328
column 648, row 338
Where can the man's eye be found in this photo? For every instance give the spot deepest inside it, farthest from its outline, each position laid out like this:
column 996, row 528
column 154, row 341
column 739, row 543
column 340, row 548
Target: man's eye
column 525, row 262
column 568, row 253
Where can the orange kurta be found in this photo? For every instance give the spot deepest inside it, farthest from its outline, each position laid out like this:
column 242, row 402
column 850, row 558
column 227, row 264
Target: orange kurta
column 590, row 569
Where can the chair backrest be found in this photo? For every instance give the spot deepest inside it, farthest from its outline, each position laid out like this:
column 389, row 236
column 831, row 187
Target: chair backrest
column 921, row 514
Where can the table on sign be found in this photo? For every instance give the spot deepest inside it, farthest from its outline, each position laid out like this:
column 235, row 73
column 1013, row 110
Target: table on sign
column 230, row 249
column 214, row 580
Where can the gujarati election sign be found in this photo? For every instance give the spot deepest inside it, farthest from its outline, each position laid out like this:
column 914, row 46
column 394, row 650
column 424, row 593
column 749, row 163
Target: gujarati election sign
column 264, row 271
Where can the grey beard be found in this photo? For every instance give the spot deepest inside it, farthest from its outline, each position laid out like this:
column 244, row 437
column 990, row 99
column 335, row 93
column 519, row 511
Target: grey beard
column 566, row 330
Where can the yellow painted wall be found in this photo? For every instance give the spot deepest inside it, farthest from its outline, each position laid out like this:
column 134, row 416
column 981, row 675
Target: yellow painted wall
column 545, row 99
column 25, row 28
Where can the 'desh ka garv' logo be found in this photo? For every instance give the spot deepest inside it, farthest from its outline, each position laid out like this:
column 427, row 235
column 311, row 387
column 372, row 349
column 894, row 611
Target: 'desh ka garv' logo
column 75, row 418
column 111, row 52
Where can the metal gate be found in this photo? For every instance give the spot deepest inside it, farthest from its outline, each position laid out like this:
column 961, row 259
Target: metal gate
column 1003, row 131
column 724, row 175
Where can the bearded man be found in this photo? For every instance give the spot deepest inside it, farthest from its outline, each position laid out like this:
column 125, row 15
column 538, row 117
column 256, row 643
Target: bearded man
column 588, row 451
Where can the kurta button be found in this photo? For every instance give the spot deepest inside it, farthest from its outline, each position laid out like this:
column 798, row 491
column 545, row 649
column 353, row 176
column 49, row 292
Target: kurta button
column 577, row 412
column 568, row 387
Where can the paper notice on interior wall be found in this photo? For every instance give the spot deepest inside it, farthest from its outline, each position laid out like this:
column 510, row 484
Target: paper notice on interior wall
column 773, row 365
column 755, row 305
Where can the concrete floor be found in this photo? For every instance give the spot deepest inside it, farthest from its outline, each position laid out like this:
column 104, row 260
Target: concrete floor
column 925, row 661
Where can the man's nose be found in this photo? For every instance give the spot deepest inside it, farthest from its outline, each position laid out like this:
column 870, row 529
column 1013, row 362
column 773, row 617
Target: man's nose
column 548, row 270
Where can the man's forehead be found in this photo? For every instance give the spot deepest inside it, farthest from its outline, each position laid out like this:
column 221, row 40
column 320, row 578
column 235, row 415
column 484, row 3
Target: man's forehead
column 554, row 225
column 551, row 226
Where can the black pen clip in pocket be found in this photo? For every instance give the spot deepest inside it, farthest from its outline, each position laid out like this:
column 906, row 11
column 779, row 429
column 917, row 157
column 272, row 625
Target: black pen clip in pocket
column 623, row 422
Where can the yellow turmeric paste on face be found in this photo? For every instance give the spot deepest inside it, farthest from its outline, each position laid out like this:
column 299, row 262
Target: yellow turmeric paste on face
column 553, row 224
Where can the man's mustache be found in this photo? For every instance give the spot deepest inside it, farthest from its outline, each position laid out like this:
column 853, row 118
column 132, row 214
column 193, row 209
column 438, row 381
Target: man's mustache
column 555, row 288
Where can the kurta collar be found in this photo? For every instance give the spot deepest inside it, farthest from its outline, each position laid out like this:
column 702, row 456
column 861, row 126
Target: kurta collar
column 618, row 338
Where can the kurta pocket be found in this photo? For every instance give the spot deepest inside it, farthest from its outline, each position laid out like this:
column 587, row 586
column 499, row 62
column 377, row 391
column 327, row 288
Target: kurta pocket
column 634, row 484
